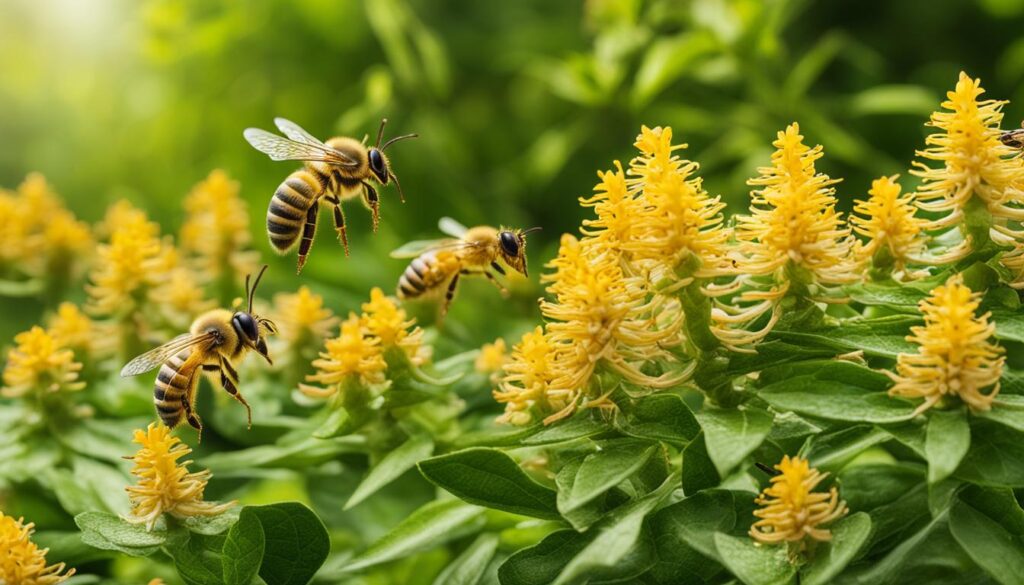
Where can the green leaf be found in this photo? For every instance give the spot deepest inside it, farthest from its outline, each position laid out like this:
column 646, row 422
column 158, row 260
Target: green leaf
column 1009, row 325
column 699, row 472
column 988, row 542
column 432, row 525
column 834, row 390
column 995, row 457
column 694, row 521
column 469, row 567
column 946, row 442
column 197, row 558
column 661, row 417
column 109, row 532
column 893, row 99
column 928, row 555
column 732, row 434
column 578, row 427
column 293, row 455
column 600, row 471
column 488, row 477
column 242, row 554
column 296, row 542
column 67, row 547
column 754, row 564
column 615, row 537
column 884, row 337
column 666, row 60
column 832, row 451
column 848, row 536
column 540, row 564
column 888, row 294
column 866, row 487
column 1007, row 409
column 582, row 517
column 393, row 465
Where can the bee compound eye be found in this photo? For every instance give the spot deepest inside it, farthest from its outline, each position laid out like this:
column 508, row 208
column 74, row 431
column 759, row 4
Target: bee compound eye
column 246, row 325
column 376, row 161
column 509, row 243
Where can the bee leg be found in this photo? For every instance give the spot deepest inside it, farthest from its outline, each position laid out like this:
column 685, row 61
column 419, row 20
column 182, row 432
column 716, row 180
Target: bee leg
column 187, row 406
column 229, row 380
column 308, row 231
column 449, row 295
column 490, row 277
column 373, row 202
column 339, row 222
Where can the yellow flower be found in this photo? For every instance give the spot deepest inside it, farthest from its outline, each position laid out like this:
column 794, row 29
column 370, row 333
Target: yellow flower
column 791, row 511
column 21, row 561
column 793, row 218
column 492, row 358
column 15, row 229
column 73, row 329
column 179, row 297
column 39, row 363
column 129, row 266
column 302, row 316
column 217, row 227
column 528, row 376
column 955, row 356
column 677, row 218
column 972, row 162
column 887, row 219
column 383, row 319
column 164, row 483
column 351, row 356
column 63, row 234
column 616, row 209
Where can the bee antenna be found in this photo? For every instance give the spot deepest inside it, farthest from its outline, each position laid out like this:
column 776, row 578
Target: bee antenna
column 396, row 139
column 533, row 229
column 394, row 178
column 380, row 131
column 252, row 291
column 768, row 470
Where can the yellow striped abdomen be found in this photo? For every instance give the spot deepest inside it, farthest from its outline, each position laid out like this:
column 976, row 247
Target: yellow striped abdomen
column 428, row 273
column 173, row 384
column 286, row 216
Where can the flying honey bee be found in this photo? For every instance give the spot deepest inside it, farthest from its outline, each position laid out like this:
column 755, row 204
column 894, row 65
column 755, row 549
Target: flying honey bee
column 1013, row 138
column 340, row 169
column 216, row 339
column 438, row 264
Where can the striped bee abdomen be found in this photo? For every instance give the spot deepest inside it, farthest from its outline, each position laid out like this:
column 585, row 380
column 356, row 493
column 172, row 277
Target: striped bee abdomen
column 426, row 273
column 172, row 388
column 289, row 207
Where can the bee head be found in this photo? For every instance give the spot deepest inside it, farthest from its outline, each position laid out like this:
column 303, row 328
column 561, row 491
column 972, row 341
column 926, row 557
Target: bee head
column 252, row 329
column 512, row 247
column 379, row 165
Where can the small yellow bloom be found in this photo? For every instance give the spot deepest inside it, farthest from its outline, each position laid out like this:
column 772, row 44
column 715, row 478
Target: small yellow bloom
column 956, row 356
column 164, row 483
column 351, row 356
column 887, row 219
column 216, row 230
column 677, row 218
column 616, row 208
column 21, row 561
column 793, row 218
column 133, row 263
column 179, row 297
column 385, row 320
column 15, row 230
column 63, row 234
column 492, row 358
column 73, row 329
column 972, row 162
column 791, row 511
column 302, row 316
column 39, row 363
column 528, row 375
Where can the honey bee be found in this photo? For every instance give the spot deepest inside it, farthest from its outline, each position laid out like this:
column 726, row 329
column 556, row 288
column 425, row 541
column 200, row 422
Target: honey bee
column 438, row 264
column 340, row 169
column 216, row 339
column 1013, row 138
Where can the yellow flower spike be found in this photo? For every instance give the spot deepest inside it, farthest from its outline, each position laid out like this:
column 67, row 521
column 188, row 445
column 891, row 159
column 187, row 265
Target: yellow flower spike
column 164, row 484
column 888, row 220
column 793, row 219
column 385, row 320
column 130, row 265
column 351, row 356
column 180, row 297
column 216, row 230
column 302, row 316
column 21, row 561
column 971, row 162
column 14, row 230
column 528, row 375
column 62, row 233
column 956, row 356
column 39, row 363
column 677, row 219
column 492, row 358
column 791, row 511
column 73, row 329
column 615, row 208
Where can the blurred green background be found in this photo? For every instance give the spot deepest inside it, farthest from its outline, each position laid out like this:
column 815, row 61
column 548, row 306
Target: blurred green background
column 517, row 103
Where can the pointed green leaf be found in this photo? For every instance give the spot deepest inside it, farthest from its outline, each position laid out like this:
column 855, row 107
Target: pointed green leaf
column 469, row 567
column 243, row 550
column 604, row 469
column 997, row 550
column 661, row 417
column 732, row 434
column 947, row 440
column 699, row 472
column 115, row 531
column 752, row 563
column 393, row 465
column 296, row 542
column 848, row 537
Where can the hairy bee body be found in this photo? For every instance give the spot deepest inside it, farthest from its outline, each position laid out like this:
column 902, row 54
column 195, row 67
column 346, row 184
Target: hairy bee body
column 173, row 383
column 476, row 251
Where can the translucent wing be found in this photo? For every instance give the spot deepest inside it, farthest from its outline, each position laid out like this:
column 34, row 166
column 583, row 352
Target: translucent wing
column 452, row 227
column 296, row 133
column 279, row 148
column 154, row 358
column 418, row 247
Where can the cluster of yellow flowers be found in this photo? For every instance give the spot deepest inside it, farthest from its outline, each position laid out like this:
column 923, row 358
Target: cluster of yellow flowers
column 21, row 561
column 791, row 511
column 39, row 364
column 658, row 278
column 357, row 356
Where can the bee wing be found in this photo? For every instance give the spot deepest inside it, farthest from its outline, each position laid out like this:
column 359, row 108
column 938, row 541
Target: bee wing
column 417, row 247
column 296, row 132
column 154, row 358
column 452, row 227
column 279, row 148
